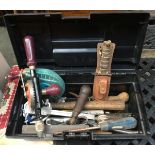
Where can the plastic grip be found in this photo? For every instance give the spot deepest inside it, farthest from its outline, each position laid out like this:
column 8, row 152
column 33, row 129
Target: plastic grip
column 30, row 50
column 125, row 123
column 53, row 90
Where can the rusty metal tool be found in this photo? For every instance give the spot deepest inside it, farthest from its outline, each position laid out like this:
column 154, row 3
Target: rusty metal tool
column 92, row 105
column 103, row 71
column 123, row 123
column 81, row 101
column 51, row 129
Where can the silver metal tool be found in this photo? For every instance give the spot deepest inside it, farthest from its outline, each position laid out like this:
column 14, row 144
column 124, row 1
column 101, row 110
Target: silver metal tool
column 112, row 116
column 23, row 85
column 39, row 126
column 49, row 111
column 126, row 131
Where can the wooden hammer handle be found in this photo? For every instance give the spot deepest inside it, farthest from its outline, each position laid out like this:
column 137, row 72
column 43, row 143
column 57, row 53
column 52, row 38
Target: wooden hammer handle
column 124, row 96
column 92, row 105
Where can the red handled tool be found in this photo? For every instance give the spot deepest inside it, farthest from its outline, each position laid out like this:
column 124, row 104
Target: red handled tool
column 31, row 63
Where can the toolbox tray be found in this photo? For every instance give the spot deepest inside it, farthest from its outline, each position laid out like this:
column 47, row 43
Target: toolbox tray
column 68, row 46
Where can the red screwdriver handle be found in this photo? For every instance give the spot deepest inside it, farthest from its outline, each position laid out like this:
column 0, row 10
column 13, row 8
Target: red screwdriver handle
column 30, row 50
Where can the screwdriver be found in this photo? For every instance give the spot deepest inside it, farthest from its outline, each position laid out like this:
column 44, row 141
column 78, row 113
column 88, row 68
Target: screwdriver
column 123, row 123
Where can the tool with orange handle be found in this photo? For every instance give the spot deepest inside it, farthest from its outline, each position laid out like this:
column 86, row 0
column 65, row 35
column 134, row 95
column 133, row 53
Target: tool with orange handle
column 103, row 71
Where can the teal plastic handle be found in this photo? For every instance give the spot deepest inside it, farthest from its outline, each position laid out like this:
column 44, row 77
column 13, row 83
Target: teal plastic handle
column 123, row 123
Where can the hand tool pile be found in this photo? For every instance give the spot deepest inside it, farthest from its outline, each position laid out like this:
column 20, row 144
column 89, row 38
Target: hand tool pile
column 46, row 107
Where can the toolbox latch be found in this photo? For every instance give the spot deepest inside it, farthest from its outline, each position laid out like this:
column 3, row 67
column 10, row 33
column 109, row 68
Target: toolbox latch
column 81, row 135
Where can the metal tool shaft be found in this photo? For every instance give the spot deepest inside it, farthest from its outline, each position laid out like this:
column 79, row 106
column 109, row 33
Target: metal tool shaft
column 37, row 93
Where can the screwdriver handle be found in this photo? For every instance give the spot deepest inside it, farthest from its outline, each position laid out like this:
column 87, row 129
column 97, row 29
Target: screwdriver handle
column 123, row 123
column 30, row 50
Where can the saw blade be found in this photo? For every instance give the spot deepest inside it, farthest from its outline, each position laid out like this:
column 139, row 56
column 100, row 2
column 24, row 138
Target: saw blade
column 30, row 94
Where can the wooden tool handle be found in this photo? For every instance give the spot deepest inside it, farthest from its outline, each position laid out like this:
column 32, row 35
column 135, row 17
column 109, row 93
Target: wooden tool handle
column 92, row 105
column 81, row 101
column 124, row 96
column 30, row 50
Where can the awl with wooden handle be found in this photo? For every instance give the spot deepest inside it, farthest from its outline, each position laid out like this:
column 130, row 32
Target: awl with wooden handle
column 81, row 101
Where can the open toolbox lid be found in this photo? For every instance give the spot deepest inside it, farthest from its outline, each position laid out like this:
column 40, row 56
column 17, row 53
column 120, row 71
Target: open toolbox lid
column 71, row 42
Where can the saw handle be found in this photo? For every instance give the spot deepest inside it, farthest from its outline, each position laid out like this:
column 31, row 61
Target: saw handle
column 30, row 50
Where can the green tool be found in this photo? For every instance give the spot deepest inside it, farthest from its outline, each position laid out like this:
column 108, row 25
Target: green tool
column 47, row 77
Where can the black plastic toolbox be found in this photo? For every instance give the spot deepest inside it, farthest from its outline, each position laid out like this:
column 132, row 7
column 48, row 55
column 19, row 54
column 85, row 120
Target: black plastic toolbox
column 67, row 45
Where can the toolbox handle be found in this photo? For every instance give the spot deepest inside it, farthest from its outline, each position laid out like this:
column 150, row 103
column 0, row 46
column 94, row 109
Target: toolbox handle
column 30, row 50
